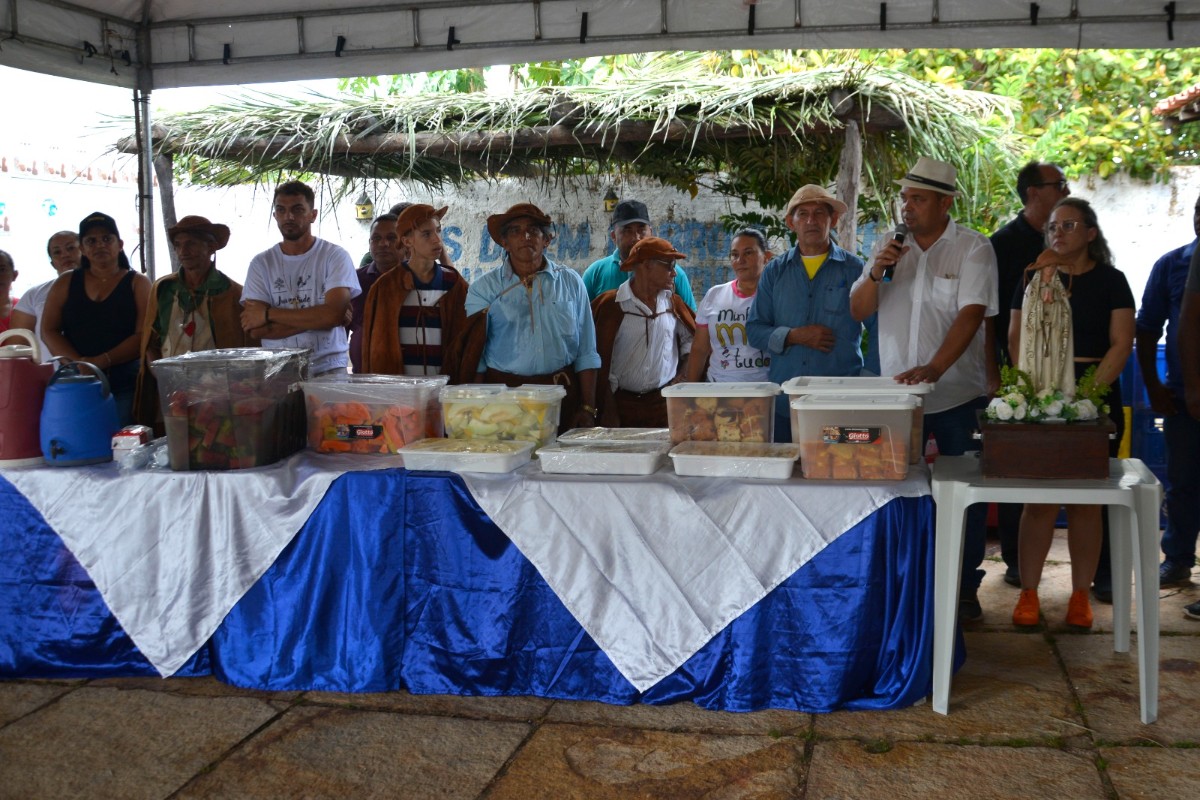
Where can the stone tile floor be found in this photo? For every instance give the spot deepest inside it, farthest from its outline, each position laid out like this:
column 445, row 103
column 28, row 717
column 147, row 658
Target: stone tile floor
column 1045, row 714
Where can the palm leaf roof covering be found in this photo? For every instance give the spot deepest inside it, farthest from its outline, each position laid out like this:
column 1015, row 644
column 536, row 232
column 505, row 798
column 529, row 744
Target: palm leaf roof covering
column 754, row 137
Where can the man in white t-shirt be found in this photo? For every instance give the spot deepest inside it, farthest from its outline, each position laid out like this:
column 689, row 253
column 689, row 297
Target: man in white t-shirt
column 933, row 292
column 297, row 293
column 63, row 249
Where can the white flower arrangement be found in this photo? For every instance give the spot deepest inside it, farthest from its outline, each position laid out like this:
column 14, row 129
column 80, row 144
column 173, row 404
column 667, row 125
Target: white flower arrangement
column 1017, row 400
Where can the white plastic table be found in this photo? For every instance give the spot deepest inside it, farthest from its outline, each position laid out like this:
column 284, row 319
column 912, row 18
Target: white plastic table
column 1131, row 490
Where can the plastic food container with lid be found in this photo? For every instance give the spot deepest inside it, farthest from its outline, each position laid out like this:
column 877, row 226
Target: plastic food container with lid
column 873, row 385
column 854, row 437
column 721, row 412
column 232, row 408
column 735, row 459
column 372, row 414
column 527, row 413
column 615, row 436
column 612, row 458
column 466, row 455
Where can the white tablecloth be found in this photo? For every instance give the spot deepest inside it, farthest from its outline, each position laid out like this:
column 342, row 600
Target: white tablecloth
column 173, row 552
column 655, row 567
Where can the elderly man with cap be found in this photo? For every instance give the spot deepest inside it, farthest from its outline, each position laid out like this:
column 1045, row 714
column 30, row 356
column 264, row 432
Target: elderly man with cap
column 801, row 312
column 630, row 224
column 933, row 291
column 530, row 321
column 644, row 333
column 197, row 308
column 413, row 309
column 95, row 313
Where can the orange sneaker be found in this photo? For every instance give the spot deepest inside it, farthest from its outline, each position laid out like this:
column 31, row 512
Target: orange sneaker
column 1025, row 614
column 1079, row 610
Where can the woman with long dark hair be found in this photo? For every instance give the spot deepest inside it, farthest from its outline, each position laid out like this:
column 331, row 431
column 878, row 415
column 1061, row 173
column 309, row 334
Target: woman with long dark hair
column 94, row 313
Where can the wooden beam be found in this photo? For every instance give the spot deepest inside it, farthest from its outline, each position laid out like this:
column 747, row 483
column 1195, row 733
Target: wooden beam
column 547, row 137
column 849, row 176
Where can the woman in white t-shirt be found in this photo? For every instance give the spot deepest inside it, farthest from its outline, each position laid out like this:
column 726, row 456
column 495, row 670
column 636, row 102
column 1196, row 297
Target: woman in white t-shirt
column 721, row 351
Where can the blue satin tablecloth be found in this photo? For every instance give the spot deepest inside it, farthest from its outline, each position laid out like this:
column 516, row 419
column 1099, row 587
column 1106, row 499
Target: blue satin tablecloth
column 399, row 581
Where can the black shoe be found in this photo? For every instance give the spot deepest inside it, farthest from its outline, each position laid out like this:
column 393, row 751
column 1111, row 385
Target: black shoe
column 1192, row 611
column 969, row 609
column 1102, row 589
column 1171, row 574
column 1012, row 576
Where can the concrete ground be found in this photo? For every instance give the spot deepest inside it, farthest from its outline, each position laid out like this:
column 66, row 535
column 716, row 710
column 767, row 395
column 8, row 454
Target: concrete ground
column 1044, row 714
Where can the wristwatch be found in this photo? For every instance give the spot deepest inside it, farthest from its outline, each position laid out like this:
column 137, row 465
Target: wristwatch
column 589, row 409
column 871, row 275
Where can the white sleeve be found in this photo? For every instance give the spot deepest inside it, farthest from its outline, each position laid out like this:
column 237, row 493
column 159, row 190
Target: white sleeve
column 257, row 286
column 340, row 272
column 978, row 275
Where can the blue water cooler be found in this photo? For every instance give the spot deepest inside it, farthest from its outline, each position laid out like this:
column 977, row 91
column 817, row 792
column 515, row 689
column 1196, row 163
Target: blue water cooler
column 79, row 417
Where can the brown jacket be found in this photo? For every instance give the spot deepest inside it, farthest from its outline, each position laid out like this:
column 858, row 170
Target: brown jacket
column 225, row 310
column 607, row 315
column 381, row 316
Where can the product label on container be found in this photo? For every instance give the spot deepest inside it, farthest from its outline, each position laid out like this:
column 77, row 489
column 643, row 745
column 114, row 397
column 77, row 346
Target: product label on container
column 849, row 434
column 359, row 432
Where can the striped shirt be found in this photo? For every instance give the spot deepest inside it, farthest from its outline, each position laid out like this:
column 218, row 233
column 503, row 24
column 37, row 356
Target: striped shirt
column 421, row 324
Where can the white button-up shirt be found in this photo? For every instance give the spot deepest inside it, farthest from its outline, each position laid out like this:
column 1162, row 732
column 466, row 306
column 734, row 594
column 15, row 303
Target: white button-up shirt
column 649, row 343
column 917, row 308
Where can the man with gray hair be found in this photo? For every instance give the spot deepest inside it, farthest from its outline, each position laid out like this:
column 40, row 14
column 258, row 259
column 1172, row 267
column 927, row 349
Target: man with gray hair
column 630, row 224
column 933, row 290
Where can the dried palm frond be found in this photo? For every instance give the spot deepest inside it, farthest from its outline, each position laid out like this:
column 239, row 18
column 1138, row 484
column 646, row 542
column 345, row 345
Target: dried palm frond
column 754, row 137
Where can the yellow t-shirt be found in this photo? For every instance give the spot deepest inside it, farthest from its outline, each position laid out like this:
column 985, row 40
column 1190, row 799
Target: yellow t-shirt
column 813, row 263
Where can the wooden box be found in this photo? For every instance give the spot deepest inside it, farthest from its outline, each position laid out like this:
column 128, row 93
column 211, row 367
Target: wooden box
column 1063, row 450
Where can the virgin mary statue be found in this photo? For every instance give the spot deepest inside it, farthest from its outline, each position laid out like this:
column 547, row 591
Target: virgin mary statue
column 1047, row 352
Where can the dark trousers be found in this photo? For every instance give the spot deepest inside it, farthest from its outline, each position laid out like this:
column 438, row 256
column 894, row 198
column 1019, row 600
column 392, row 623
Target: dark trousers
column 952, row 429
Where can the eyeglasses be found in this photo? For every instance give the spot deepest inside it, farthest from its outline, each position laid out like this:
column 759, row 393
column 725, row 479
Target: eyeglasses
column 1065, row 227
column 1061, row 183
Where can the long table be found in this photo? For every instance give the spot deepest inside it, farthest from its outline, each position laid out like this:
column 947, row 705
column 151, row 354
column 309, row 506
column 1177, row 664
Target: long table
column 399, row 580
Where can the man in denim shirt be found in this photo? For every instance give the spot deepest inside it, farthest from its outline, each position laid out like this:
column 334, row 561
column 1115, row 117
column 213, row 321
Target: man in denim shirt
column 801, row 312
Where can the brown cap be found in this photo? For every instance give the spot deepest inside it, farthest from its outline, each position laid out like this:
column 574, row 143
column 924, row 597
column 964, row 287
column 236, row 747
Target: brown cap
column 651, row 248
column 416, row 214
column 496, row 222
column 812, row 193
column 200, row 226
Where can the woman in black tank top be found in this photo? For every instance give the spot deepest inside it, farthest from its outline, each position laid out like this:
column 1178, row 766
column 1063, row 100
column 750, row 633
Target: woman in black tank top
column 95, row 313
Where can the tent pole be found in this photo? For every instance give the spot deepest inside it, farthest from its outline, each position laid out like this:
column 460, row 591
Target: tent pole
column 145, row 180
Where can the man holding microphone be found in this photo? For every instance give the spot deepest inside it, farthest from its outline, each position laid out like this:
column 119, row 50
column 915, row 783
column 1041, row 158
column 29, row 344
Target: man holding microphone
column 931, row 314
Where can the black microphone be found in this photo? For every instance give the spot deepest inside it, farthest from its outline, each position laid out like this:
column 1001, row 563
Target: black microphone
column 898, row 237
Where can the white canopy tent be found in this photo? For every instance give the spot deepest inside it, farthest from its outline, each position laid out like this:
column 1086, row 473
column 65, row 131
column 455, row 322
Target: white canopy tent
column 160, row 44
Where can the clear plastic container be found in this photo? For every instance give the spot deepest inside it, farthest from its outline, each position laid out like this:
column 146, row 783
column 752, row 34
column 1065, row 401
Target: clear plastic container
column 611, row 458
column 527, row 413
column 735, row 459
column 466, row 455
column 721, row 412
column 854, row 437
column 372, row 414
column 821, row 385
column 232, row 408
column 616, row 436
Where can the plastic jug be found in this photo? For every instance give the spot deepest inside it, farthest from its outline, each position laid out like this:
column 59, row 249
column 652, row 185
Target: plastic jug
column 23, row 379
column 79, row 417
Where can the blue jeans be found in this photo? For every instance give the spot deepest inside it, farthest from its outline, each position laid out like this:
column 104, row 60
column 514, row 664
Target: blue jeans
column 952, row 431
column 1182, row 434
